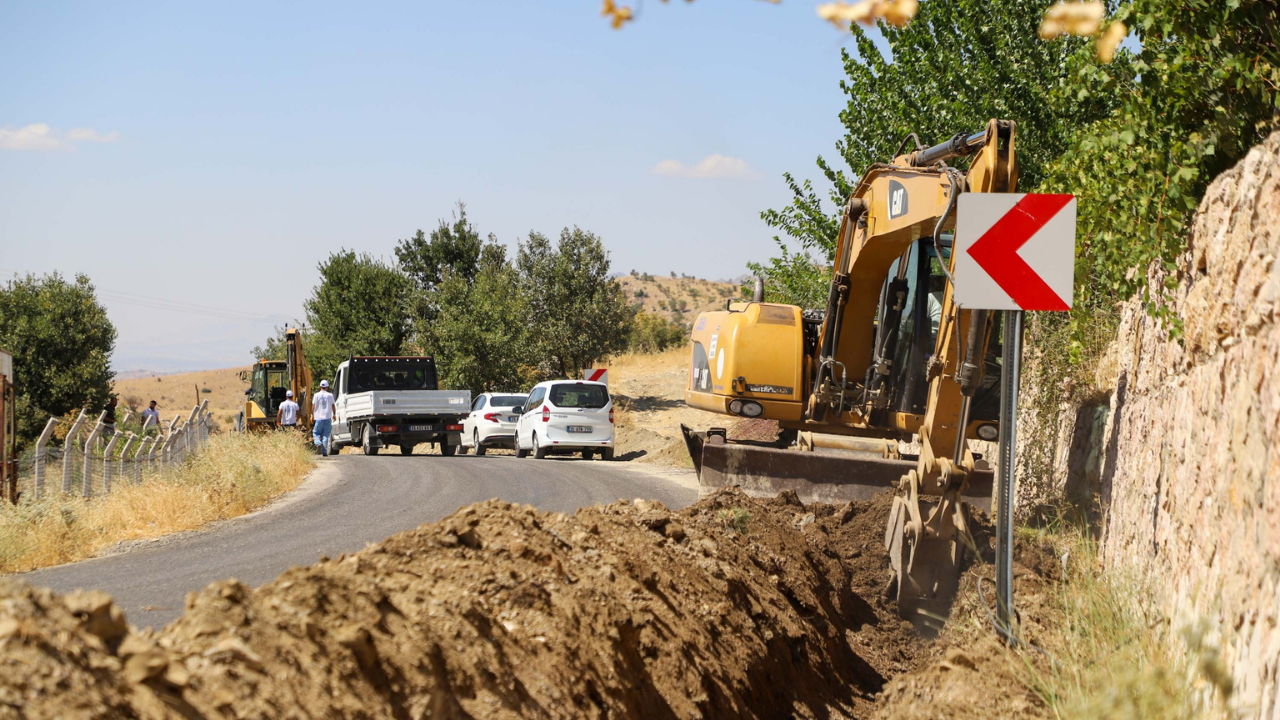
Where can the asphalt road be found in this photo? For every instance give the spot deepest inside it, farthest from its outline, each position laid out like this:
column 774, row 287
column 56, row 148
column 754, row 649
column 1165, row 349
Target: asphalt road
column 349, row 502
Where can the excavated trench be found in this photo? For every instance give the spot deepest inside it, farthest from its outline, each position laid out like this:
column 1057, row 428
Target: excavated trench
column 732, row 608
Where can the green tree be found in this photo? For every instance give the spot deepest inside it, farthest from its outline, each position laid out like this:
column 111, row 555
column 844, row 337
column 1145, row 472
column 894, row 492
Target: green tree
column 61, row 341
column 577, row 314
column 479, row 336
column 653, row 333
column 357, row 309
column 958, row 64
column 1208, row 91
column 452, row 248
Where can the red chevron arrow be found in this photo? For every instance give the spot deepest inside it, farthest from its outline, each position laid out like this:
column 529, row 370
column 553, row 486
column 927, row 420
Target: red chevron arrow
column 997, row 252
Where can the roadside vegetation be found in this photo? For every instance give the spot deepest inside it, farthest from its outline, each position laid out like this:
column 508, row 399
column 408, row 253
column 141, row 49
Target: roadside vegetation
column 61, row 341
column 491, row 322
column 1098, row 646
column 232, row 475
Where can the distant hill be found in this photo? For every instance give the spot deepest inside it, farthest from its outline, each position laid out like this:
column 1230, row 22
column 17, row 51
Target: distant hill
column 679, row 299
column 176, row 394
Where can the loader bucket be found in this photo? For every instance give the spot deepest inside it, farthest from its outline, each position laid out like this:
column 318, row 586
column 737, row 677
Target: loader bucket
column 820, row 475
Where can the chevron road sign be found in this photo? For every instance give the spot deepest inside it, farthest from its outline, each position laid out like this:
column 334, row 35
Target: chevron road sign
column 1015, row 251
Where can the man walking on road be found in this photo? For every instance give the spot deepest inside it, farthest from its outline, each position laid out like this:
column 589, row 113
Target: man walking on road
column 287, row 415
column 322, row 414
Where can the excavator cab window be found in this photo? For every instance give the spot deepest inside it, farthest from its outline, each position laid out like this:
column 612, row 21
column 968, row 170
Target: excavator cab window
column 277, row 385
column 918, row 325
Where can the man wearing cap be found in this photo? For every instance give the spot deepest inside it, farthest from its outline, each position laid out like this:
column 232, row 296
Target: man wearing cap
column 287, row 415
column 322, row 415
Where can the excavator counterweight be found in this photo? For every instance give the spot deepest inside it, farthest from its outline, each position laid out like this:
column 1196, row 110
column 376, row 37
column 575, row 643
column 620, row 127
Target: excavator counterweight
column 883, row 387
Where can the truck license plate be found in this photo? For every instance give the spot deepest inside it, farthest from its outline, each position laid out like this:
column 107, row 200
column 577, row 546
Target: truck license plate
column 578, row 429
column 421, row 428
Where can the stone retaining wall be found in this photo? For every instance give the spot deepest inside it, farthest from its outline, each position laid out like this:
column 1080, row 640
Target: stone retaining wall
column 1182, row 457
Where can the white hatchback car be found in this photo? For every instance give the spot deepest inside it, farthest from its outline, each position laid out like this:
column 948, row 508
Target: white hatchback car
column 492, row 422
column 566, row 416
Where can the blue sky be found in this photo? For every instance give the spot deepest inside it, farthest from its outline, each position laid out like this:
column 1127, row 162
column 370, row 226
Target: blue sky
column 214, row 154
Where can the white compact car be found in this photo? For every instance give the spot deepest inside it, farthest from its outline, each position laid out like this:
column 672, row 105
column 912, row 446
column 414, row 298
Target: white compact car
column 492, row 422
column 566, row 416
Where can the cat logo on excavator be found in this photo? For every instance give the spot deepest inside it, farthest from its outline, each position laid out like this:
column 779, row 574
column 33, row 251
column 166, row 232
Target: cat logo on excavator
column 891, row 358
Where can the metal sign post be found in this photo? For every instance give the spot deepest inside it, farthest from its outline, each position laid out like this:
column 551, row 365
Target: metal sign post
column 1012, row 366
column 1014, row 252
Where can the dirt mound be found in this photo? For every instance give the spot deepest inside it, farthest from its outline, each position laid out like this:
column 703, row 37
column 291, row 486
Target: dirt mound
column 732, row 608
column 969, row 673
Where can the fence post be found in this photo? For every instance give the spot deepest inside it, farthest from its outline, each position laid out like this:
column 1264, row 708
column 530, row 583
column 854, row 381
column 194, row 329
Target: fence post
column 42, row 455
column 151, row 455
column 166, row 451
column 139, row 457
column 87, row 489
column 202, row 421
column 124, row 455
column 68, row 451
column 106, row 461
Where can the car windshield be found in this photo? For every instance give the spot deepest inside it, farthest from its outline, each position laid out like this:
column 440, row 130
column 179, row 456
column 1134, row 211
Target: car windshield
column 579, row 395
column 507, row 400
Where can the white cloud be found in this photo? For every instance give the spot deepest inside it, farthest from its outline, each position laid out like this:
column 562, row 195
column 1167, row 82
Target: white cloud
column 39, row 136
column 711, row 166
column 91, row 135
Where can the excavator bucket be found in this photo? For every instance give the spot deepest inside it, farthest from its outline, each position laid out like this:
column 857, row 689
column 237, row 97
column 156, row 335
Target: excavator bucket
column 926, row 572
column 823, row 475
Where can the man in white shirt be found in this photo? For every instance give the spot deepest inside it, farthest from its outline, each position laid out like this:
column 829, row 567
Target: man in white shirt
column 150, row 416
column 287, row 414
column 322, row 415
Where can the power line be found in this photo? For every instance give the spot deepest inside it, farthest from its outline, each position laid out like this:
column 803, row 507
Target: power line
column 178, row 306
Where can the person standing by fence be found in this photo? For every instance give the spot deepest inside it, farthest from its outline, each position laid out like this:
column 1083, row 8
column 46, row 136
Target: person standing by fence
column 322, row 415
column 109, row 418
column 151, row 416
column 287, row 415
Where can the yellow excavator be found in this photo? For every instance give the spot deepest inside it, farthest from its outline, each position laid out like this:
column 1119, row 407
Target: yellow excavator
column 271, row 380
column 891, row 359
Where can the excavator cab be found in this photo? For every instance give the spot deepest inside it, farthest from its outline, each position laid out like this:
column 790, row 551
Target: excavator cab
column 916, row 341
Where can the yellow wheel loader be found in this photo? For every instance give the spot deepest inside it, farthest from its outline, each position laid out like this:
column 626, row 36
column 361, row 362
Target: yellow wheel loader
column 891, row 358
column 271, row 380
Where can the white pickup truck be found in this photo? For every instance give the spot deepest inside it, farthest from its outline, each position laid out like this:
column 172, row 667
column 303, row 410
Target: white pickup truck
column 393, row 401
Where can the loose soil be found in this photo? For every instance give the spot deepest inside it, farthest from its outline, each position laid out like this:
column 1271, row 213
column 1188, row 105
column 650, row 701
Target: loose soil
column 732, row 608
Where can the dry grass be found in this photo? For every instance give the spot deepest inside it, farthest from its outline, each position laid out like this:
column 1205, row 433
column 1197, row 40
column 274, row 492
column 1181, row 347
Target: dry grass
column 176, row 394
column 1117, row 656
column 231, row 476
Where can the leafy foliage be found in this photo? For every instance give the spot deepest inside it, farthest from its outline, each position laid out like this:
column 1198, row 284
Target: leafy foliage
column 451, row 249
column 61, row 341
column 357, row 309
column 958, row 64
column 578, row 315
column 1209, row 89
column 478, row 335
column 653, row 333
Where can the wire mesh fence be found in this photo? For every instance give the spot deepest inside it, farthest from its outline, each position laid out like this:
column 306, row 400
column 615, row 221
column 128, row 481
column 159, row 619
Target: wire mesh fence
column 93, row 456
